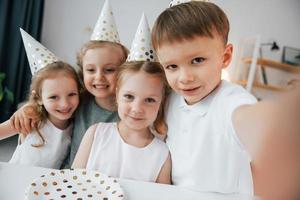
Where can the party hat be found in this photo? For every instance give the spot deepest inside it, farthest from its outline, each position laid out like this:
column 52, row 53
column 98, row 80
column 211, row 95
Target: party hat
column 38, row 55
column 176, row 2
column 141, row 48
column 105, row 28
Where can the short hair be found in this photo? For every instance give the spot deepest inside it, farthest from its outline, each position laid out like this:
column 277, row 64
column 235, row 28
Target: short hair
column 151, row 68
column 94, row 44
column 187, row 20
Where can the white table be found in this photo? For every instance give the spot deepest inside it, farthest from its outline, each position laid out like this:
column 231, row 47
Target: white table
column 15, row 178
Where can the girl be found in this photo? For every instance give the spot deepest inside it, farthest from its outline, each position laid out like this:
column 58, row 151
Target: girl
column 133, row 150
column 98, row 63
column 53, row 99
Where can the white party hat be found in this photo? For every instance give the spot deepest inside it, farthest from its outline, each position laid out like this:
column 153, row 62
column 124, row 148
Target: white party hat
column 176, row 2
column 105, row 28
column 141, row 48
column 38, row 55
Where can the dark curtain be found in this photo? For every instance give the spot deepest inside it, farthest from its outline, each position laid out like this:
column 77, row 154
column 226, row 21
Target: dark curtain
column 27, row 14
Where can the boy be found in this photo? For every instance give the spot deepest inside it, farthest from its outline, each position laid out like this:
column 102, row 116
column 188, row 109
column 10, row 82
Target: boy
column 208, row 154
column 213, row 143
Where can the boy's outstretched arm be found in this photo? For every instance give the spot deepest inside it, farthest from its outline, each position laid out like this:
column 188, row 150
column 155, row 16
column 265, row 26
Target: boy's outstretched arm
column 6, row 130
column 270, row 132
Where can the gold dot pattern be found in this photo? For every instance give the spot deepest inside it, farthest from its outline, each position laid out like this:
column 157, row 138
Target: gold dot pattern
column 105, row 28
column 75, row 184
column 41, row 57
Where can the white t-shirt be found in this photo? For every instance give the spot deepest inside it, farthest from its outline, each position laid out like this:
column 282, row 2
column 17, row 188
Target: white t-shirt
column 51, row 154
column 205, row 150
column 111, row 155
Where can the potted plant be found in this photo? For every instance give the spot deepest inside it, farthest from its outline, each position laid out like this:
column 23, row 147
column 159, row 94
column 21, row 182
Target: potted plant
column 4, row 91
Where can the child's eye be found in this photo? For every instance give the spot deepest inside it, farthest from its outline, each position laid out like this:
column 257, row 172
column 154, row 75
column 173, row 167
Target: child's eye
column 73, row 94
column 128, row 96
column 171, row 67
column 53, row 97
column 150, row 100
column 90, row 70
column 197, row 60
column 109, row 70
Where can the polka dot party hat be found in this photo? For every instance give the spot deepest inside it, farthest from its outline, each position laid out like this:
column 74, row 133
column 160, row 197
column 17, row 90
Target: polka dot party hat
column 141, row 47
column 38, row 55
column 176, row 2
column 105, row 28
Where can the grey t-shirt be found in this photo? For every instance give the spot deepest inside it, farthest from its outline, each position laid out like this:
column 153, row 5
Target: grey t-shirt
column 87, row 114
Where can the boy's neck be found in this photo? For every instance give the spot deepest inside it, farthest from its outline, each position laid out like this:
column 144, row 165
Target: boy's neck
column 107, row 103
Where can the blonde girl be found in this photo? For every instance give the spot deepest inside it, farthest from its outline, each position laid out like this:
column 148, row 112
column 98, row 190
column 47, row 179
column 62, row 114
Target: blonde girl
column 53, row 98
column 98, row 63
column 128, row 149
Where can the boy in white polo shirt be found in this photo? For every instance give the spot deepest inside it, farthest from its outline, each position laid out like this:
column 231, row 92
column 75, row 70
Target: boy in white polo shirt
column 207, row 153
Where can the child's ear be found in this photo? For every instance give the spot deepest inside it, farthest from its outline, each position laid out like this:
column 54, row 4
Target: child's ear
column 227, row 55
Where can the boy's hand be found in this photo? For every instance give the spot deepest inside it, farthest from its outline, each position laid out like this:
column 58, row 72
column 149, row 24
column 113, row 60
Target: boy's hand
column 21, row 120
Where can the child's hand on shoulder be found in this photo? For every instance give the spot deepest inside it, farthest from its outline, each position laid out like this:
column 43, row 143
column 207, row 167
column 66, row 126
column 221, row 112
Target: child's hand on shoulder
column 24, row 119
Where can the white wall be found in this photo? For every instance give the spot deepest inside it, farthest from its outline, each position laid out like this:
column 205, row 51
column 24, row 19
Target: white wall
column 66, row 21
column 69, row 23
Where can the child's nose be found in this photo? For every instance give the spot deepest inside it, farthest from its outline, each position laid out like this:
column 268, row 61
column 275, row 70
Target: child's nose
column 137, row 107
column 64, row 102
column 186, row 76
column 99, row 75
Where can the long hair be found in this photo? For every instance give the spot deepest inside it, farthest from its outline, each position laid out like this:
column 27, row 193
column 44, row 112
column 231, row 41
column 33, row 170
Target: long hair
column 36, row 110
column 152, row 68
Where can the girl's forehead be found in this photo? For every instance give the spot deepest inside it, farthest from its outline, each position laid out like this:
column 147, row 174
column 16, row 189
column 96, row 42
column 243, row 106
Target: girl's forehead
column 140, row 79
column 59, row 82
column 103, row 55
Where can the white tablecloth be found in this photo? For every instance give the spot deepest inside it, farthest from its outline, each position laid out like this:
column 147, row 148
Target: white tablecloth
column 14, row 179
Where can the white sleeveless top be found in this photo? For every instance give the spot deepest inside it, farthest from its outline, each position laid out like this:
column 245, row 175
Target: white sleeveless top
column 51, row 154
column 112, row 156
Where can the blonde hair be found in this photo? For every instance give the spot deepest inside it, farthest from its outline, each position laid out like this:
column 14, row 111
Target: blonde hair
column 187, row 20
column 152, row 68
column 93, row 44
column 36, row 110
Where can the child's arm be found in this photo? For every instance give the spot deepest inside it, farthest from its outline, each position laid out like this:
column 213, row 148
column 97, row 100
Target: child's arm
column 6, row 130
column 270, row 132
column 22, row 121
column 165, row 172
column 84, row 150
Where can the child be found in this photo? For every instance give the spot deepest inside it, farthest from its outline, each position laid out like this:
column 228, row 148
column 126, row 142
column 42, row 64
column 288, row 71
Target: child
column 54, row 97
column 133, row 150
column 98, row 62
column 128, row 149
column 208, row 153
column 274, row 124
